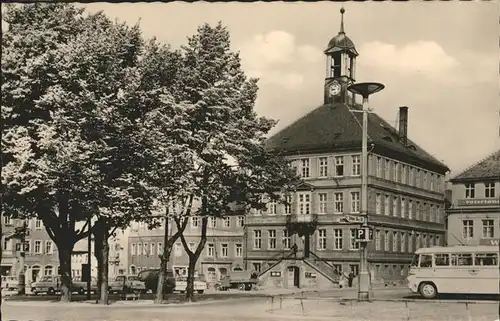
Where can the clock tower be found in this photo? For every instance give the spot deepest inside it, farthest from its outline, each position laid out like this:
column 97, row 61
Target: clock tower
column 340, row 66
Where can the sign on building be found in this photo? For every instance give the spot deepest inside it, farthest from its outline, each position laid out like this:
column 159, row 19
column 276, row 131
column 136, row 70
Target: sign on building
column 364, row 234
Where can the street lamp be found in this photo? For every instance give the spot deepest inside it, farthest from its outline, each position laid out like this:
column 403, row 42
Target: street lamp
column 365, row 90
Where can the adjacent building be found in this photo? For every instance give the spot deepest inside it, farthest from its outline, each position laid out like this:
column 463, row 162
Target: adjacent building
column 405, row 185
column 474, row 214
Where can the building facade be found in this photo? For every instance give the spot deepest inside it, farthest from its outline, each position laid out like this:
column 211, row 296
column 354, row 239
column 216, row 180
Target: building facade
column 223, row 252
column 474, row 215
column 406, row 190
column 41, row 255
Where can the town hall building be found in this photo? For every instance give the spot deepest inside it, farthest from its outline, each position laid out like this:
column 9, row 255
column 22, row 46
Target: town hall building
column 309, row 241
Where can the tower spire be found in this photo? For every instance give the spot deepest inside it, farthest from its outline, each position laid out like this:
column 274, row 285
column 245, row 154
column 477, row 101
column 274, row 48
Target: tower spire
column 342, row 10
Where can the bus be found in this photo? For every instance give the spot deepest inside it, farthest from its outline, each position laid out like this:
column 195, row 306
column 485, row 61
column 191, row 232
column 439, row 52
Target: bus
column 455, row 270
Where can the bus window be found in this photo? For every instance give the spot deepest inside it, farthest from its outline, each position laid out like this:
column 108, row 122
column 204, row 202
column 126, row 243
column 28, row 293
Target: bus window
column 425, row 260
column 486, row 259
column 441, row 259
column 414, row 261
column 461, row 259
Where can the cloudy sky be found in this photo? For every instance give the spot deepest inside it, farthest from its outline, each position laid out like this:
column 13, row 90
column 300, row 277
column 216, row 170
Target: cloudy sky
column 440, row 59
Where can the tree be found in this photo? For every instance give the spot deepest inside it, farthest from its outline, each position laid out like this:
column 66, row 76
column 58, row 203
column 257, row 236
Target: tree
column 70, row 87
column 229, row 161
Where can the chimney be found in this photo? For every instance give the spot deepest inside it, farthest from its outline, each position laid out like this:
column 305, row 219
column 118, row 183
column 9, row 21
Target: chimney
column 403, row 125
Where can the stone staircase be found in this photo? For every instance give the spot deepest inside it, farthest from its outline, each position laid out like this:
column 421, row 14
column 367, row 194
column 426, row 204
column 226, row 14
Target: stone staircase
column 323, row 267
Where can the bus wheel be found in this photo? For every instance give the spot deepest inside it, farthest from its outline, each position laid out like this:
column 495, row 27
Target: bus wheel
column 428, row 290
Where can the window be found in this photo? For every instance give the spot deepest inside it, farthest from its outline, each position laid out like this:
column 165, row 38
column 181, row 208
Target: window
column 227, row 221
column 379, row 167
column 437, row 240
column 377, row 240
column 418, row 179
column 403, row 174
column 410, row 243
column 38, row 224
column 378, row 205
column 323, row 167
column 354, row 202
column 462, row 259
column 213, row 222
column 159, row 248
column 195, row 222
column 49, row 248
column 402, row 242
column 402, row 204
column 7, row 220
column 256, row 266
column 288, row 204
column 468, row 229
column 394, row 171
column 410, row 209
column 485, row 259
column 354, row 244
column 418, row 215
column 394, row 241
column 386, row 205
column 271, row 239
column 337, row 239
column 339, row 165
column 488, row 228
column 240, row 221
column 286, row 240
column 424, row 179
column 411, row 178
column 395, row 206
column 38, row 247
column 386, row 241
column 27, row 247
column 271, row 207
column 418, row 241
column 322, row 239
column 441, row 259
column 257, row 239
column 178, row 249
column 432, row 217
column 133, row 250
column 210, row 249
column 425, row 260
column 339, row 203
column 48, row 270
column 304, row 167
column 470, row 190
column 146, row 249
column 238, row 250
column 387, row 170
column 356, row 165
column 139, row 248
column 489, row 190
column 304, row 203
column 224, row 250
column 322, row 198
column 432, row 182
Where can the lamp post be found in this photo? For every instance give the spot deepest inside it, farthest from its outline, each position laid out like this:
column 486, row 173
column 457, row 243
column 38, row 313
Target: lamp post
column 365, row 90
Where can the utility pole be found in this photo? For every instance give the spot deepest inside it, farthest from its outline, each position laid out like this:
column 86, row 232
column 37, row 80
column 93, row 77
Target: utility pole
column 365, row 90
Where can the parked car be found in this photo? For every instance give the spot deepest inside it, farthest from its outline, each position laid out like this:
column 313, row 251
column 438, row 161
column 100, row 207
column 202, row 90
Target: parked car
column 200, row 285
column 51, row 284
column 10, row 283
column 150, row 279
column 78, row 283
column 124, row 283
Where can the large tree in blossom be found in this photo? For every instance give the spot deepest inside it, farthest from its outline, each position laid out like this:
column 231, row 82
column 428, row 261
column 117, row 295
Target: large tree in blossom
column 224, row 135
column 69, row 117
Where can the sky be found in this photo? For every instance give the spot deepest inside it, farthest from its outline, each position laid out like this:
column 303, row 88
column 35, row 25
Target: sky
column 441, row 59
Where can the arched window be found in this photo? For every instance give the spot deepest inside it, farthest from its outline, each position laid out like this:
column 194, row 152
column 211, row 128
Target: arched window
column 35, row 273
column 48, row 270
column 133, row 270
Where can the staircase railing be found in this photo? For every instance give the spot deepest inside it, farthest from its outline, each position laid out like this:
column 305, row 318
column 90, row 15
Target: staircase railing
column 316, row 258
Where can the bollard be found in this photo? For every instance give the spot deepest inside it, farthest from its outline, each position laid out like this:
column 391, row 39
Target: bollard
column 407, row 311
column 281, row 303
column 468, row 312
column 272, row 303
column 302, row 306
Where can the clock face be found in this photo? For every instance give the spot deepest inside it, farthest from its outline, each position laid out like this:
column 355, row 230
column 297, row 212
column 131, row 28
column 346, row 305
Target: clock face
column 334, row 89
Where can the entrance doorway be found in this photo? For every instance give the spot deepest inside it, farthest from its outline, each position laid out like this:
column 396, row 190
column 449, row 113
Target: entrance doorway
column 293, row 276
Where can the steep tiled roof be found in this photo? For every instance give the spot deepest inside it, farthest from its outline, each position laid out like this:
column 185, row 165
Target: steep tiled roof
column 336, row 127
column 486, row 168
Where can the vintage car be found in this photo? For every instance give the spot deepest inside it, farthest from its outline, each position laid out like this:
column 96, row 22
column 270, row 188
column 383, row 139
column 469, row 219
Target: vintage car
column 127, row 284
column 200, row 285
column 51, row 284
column 78, row 283
column 150, row 279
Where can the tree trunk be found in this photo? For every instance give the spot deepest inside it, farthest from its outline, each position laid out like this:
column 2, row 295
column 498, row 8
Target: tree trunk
column 98, row 253
column 190, row 278
column 163, row 265
column 65, row 268
column 105, row 269
column 1, row 254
